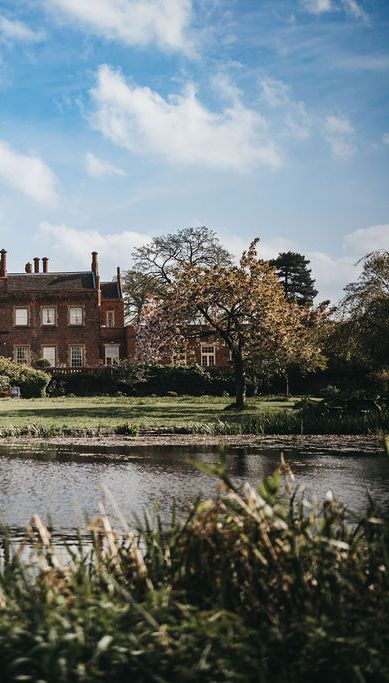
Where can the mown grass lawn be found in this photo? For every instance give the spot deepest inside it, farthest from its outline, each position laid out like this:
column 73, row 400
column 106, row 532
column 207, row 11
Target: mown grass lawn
column 110, row 411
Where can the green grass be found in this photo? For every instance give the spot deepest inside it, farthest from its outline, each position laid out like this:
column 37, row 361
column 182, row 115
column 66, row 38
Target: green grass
column 108, row 412
column 250, row 588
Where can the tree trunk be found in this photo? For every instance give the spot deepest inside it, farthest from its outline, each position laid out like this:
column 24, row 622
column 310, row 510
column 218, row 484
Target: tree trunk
column 287, row 385
column 240, row 382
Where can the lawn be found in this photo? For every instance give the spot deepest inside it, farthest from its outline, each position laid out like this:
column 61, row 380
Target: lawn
column 111, row 411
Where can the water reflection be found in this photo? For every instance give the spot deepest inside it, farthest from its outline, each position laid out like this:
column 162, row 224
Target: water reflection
column 66, row 481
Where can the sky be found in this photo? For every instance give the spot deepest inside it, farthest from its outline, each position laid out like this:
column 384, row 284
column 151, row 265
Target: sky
column 125, row 119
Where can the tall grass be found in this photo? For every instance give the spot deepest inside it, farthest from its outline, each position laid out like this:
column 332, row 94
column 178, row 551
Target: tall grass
column 250, row 587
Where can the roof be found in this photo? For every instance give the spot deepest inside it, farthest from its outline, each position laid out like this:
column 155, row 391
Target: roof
column 110, row 290
column 30, row 282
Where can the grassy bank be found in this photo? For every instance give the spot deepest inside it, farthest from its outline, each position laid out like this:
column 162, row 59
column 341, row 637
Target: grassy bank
column 105, row 416
column 247, row 589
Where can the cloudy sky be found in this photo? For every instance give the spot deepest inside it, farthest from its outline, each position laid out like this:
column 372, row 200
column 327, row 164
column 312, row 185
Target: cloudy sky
column 123, row 119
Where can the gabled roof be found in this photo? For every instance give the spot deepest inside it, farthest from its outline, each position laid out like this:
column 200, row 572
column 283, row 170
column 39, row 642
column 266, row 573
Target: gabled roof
column 110, row 290
column 32, row 282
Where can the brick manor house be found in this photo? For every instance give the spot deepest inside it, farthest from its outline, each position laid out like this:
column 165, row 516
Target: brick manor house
column 73, row 320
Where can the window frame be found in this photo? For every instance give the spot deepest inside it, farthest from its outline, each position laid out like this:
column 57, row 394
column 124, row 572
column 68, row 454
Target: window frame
column 82, row 323
column 22, row 346
column 46, row 308
column 207, row 355
column 111, row 346
column 21, row 308
column 107, row 314
column 77, row 346
column 51, row 346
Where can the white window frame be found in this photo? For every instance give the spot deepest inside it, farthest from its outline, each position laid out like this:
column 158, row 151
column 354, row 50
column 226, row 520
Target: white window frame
column 111, row 360
column 18, row 309
column 179, row 359
column 51, row 320
column 208, row 355
column 18, row 360
column 82, row 357
column 77, row 320
column 50, row 346
column 108, row 314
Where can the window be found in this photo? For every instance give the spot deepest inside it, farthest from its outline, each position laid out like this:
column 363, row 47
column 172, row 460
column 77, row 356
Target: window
column 179, row 359
column 75, row 315
column 76, row 356
column 49, row 353
column 111, row 355
column 110, row 318
column 22, row 354
column 207, row 355
column 48, row 316
column 21, row 316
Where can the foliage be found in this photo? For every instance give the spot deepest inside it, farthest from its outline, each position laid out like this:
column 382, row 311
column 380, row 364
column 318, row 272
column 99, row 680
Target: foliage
column 32, row 382
column 244, row 306
column 166, row 254
column 363, row 331
column 295, row 277
column 252, row 586
column 43, row 363
column 138, row 287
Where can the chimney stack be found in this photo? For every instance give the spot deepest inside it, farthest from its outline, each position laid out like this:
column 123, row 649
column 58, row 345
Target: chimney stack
column 28, row 267
column 119, row 279
column 45, row 264
column 36, row 264
column 3, row 263
column 95, row 263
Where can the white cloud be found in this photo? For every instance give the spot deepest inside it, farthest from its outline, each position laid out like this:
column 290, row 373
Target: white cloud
column 11, row 30
column 29, row 174
column 180, row 128
column 338, row 132
column 97, row 168
column 133, row 22
column 70, row 248
column 277, row 94
column 385, row 138
column 354, row 8
column 365, row 240
column 317, row 6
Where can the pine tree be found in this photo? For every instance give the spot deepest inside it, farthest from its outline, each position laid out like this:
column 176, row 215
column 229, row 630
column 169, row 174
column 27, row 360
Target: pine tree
column 295, row 276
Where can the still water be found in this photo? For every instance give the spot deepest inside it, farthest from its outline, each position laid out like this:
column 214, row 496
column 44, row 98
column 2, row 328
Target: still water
column 66, row 481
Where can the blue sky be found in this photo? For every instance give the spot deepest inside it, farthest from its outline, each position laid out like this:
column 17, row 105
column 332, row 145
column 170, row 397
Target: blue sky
column 122, row 119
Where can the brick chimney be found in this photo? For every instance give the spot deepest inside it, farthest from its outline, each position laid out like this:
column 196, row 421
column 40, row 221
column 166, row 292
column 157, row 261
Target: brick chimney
column 3, row 263
column 36, row 264
column 28, row 267
column 45, row 264
column 119, row 279
column 95, row 263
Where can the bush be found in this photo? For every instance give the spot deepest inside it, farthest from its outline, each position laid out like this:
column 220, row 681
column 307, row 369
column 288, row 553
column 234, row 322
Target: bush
column 250, row 587
column 32, row 382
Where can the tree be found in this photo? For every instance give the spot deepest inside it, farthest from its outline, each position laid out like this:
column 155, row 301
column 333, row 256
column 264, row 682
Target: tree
column 137, row 289
column 364, row 313
column 165, row 254
column 295, row 276
column 242, row 305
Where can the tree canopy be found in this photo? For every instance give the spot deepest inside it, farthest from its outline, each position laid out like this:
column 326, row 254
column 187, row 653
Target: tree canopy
column 243, row 305
column 295, row 277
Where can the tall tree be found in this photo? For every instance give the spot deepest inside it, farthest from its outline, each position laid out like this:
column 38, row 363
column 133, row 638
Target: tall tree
column 295, row 277
column 364, row 312
column 166, row 253
column 242, row 305
column 138, row 287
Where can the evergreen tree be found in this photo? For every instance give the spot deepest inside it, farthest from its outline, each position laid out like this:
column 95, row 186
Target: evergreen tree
column 295, row 277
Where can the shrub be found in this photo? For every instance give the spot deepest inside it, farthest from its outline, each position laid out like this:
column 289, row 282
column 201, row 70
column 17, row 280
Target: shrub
column 251, row 587
column 32, row 382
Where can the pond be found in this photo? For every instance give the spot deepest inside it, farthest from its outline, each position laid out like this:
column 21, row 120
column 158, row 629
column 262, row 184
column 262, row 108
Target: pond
column 65, row 481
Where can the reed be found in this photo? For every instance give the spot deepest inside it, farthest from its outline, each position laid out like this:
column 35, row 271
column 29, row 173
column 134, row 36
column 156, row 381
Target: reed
column 251, row 586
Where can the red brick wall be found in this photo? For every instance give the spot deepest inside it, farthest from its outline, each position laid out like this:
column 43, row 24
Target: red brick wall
column 115, row 305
